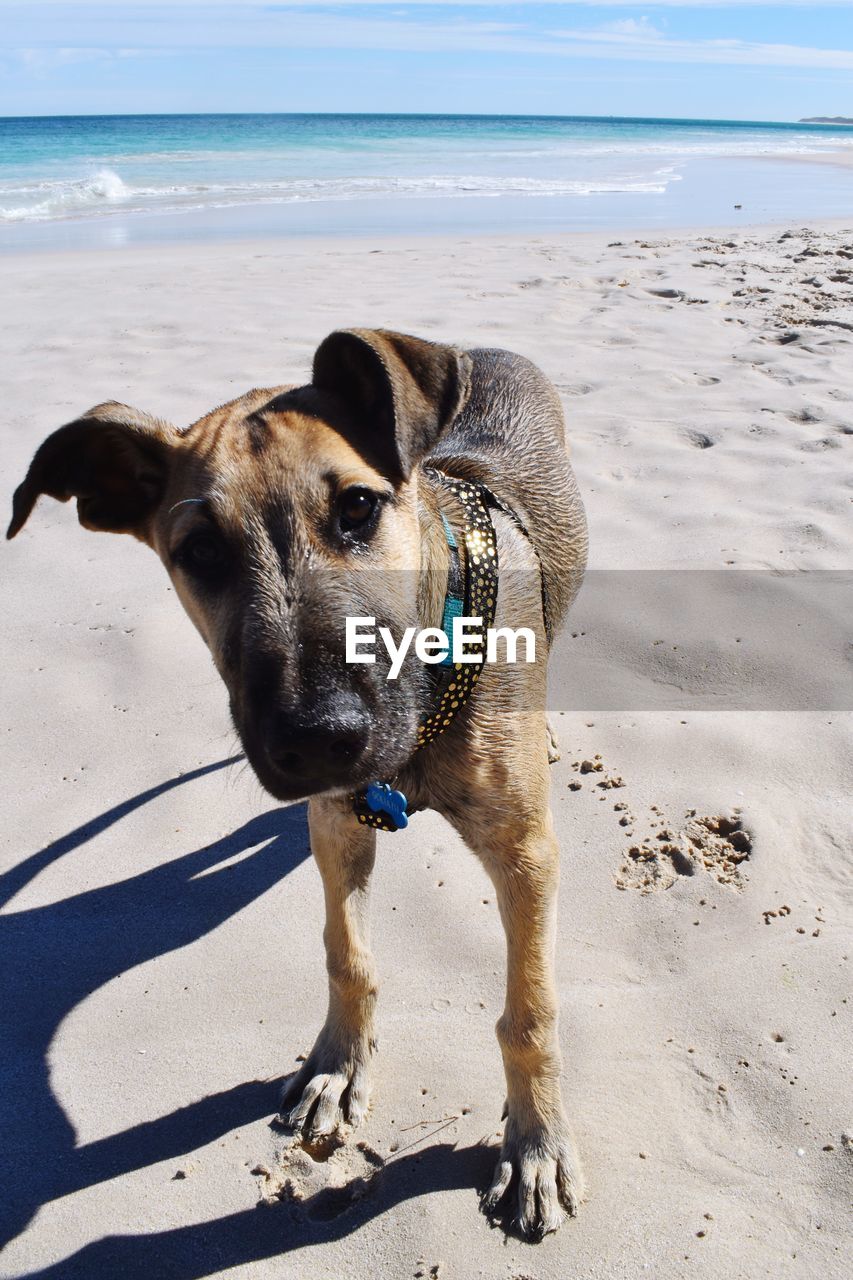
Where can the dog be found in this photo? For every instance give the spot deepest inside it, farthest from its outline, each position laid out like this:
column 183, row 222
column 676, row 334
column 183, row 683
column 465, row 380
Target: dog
column 406, row 475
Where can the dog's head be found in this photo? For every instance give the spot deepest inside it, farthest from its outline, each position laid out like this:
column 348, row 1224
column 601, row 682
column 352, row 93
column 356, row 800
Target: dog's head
column 277, row 516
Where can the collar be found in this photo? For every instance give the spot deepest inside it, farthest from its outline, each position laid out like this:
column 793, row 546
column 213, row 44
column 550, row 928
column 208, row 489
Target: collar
column 472, row 592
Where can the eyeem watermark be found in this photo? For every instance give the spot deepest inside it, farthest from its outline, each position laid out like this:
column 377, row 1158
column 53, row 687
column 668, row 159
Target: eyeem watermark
column 434, row 646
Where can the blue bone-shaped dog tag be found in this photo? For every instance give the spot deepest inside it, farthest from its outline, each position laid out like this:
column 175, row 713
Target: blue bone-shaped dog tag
column 381, row 798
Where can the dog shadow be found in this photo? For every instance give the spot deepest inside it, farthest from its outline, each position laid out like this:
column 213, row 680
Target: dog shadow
column 52, row 957
column 271, row 1230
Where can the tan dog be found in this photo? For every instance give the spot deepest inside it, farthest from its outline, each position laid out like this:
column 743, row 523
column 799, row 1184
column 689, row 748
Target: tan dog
column 285, row 511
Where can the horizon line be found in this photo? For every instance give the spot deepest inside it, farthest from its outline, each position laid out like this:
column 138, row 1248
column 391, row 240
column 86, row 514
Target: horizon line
column 838, row 122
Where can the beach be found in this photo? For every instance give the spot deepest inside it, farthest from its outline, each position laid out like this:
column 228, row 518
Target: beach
column 162, row 953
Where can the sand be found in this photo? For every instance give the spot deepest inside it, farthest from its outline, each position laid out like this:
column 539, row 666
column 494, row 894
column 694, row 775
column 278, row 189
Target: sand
column 161, row 939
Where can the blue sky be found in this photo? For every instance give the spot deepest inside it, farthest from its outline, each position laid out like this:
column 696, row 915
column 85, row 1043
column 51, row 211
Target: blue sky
column 752, row 60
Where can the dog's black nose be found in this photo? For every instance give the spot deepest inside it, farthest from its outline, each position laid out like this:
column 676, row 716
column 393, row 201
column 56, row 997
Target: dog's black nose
column 324, row 745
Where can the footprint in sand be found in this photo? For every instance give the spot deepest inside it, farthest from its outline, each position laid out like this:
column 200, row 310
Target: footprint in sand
column 804, row 415
column 809, row 533
column 717, row 845
column 779, row 375
column 820, row 446
column 699, row 439
column 574, row 388
column 323, row 1180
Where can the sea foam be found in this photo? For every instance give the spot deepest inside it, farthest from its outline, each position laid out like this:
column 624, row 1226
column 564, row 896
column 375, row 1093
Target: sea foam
column 62, row 197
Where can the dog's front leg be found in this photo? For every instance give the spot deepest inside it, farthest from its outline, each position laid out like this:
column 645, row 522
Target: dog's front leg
column 538, row 1155
column 333, row 1088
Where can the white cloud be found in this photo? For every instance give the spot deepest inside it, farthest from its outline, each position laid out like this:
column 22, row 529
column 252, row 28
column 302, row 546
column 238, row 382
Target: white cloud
column 42, row 60
column 650, row 45
column 632, row 27
column 253, row 26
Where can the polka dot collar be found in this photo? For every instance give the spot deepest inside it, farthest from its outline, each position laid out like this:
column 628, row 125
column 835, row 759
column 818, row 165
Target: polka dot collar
column 379, row 805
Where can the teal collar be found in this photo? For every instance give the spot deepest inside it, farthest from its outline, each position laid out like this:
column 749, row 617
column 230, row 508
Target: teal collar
column 471, row 592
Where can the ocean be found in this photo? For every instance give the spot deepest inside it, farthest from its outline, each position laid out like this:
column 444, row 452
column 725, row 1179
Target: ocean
column 143, row 177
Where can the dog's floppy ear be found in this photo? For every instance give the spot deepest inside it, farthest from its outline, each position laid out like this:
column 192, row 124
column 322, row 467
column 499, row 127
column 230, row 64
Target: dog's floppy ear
column 113, row 460
column 400, row 391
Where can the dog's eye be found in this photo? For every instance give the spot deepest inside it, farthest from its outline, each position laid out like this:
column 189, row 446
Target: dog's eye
column 202, row 554
column 356, row 508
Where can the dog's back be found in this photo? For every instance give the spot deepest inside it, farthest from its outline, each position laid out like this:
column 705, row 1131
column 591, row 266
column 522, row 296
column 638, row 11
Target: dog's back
column 511, row 437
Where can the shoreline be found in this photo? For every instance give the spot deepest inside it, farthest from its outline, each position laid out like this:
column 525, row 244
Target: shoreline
column 721, row 192
column 841, row 159
column 291, row 246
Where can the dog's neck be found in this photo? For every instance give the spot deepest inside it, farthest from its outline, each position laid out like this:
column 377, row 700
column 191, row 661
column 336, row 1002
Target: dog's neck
column 462, row 580
column 433, row 504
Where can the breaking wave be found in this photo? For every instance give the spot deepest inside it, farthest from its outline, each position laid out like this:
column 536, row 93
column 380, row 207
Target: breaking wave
column 105, row 192
column 62, row 199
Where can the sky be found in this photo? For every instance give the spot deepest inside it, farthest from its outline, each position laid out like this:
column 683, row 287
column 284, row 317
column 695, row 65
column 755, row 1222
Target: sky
column 754, row 60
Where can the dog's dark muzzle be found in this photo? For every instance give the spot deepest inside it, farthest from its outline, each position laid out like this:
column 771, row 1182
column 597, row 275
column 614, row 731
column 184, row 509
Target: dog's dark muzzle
column 313, row 747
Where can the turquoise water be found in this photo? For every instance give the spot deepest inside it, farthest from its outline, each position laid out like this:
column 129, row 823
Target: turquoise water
column 120, row 168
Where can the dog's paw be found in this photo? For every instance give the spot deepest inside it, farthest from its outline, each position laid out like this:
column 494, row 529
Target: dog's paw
column 331, row 1091
column 540, row 1170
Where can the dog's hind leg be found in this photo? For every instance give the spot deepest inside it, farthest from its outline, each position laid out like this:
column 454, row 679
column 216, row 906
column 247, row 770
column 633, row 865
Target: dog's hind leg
column 332, row 1088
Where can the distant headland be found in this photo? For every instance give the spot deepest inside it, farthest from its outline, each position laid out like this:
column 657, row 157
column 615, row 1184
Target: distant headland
column 825, row 120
